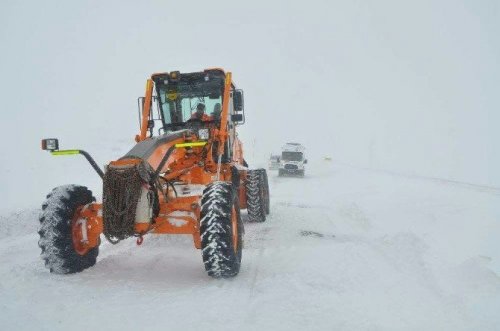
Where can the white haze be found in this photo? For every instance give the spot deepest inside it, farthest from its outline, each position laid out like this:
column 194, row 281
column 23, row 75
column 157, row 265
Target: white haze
column 393, row 91
column 410, row 87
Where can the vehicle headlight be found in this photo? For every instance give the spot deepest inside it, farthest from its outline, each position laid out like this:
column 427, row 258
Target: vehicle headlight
column 203, row 134
column 51, row 144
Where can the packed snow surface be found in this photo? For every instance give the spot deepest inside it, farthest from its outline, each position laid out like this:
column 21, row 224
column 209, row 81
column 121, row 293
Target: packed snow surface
column 343, row 249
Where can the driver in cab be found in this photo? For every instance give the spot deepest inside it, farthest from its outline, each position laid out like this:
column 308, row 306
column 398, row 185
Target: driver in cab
column 200, row 114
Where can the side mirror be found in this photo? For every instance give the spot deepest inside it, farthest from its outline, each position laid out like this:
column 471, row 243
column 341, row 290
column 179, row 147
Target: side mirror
column 50, row 144
column 237, row 118
column 238, row 100
column 305, row 161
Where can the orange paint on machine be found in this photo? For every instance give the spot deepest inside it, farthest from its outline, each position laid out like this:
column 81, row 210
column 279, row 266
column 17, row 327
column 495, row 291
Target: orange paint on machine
column 185, row 174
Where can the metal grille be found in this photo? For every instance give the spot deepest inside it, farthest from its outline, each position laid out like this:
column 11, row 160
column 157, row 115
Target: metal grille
column 291, row 167
column 121, row 192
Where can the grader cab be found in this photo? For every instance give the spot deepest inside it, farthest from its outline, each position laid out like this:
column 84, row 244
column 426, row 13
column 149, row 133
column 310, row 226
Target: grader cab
column 186, row 174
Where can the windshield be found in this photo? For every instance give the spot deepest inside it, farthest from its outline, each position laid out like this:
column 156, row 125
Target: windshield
column 179, row 100
column 291, row 156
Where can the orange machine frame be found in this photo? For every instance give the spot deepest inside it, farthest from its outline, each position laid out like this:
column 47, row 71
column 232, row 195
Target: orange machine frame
column 183, row 163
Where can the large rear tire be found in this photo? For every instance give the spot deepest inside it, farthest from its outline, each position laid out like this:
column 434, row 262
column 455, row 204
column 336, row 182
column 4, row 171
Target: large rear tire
column 257, row 194
column 56, row 240
column 221, row 230
column 265, row 185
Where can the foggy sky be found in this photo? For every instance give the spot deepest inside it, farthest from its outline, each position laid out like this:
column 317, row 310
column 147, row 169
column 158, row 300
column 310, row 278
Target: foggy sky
column 406, row 86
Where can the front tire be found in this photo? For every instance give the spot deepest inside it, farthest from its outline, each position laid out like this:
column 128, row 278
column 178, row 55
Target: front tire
column 56, row 240
column 221, row 230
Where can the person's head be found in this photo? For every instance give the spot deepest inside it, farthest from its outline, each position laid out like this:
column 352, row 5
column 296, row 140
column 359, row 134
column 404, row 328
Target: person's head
column 200, row 110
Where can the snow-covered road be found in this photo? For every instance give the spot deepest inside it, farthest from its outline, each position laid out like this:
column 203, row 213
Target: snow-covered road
column 343, row 249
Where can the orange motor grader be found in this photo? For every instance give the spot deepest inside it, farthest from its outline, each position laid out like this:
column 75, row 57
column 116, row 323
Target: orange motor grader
column 189, row 177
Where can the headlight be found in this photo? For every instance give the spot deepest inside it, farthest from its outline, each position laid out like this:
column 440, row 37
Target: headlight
column 51, row 144
column 203, row 134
